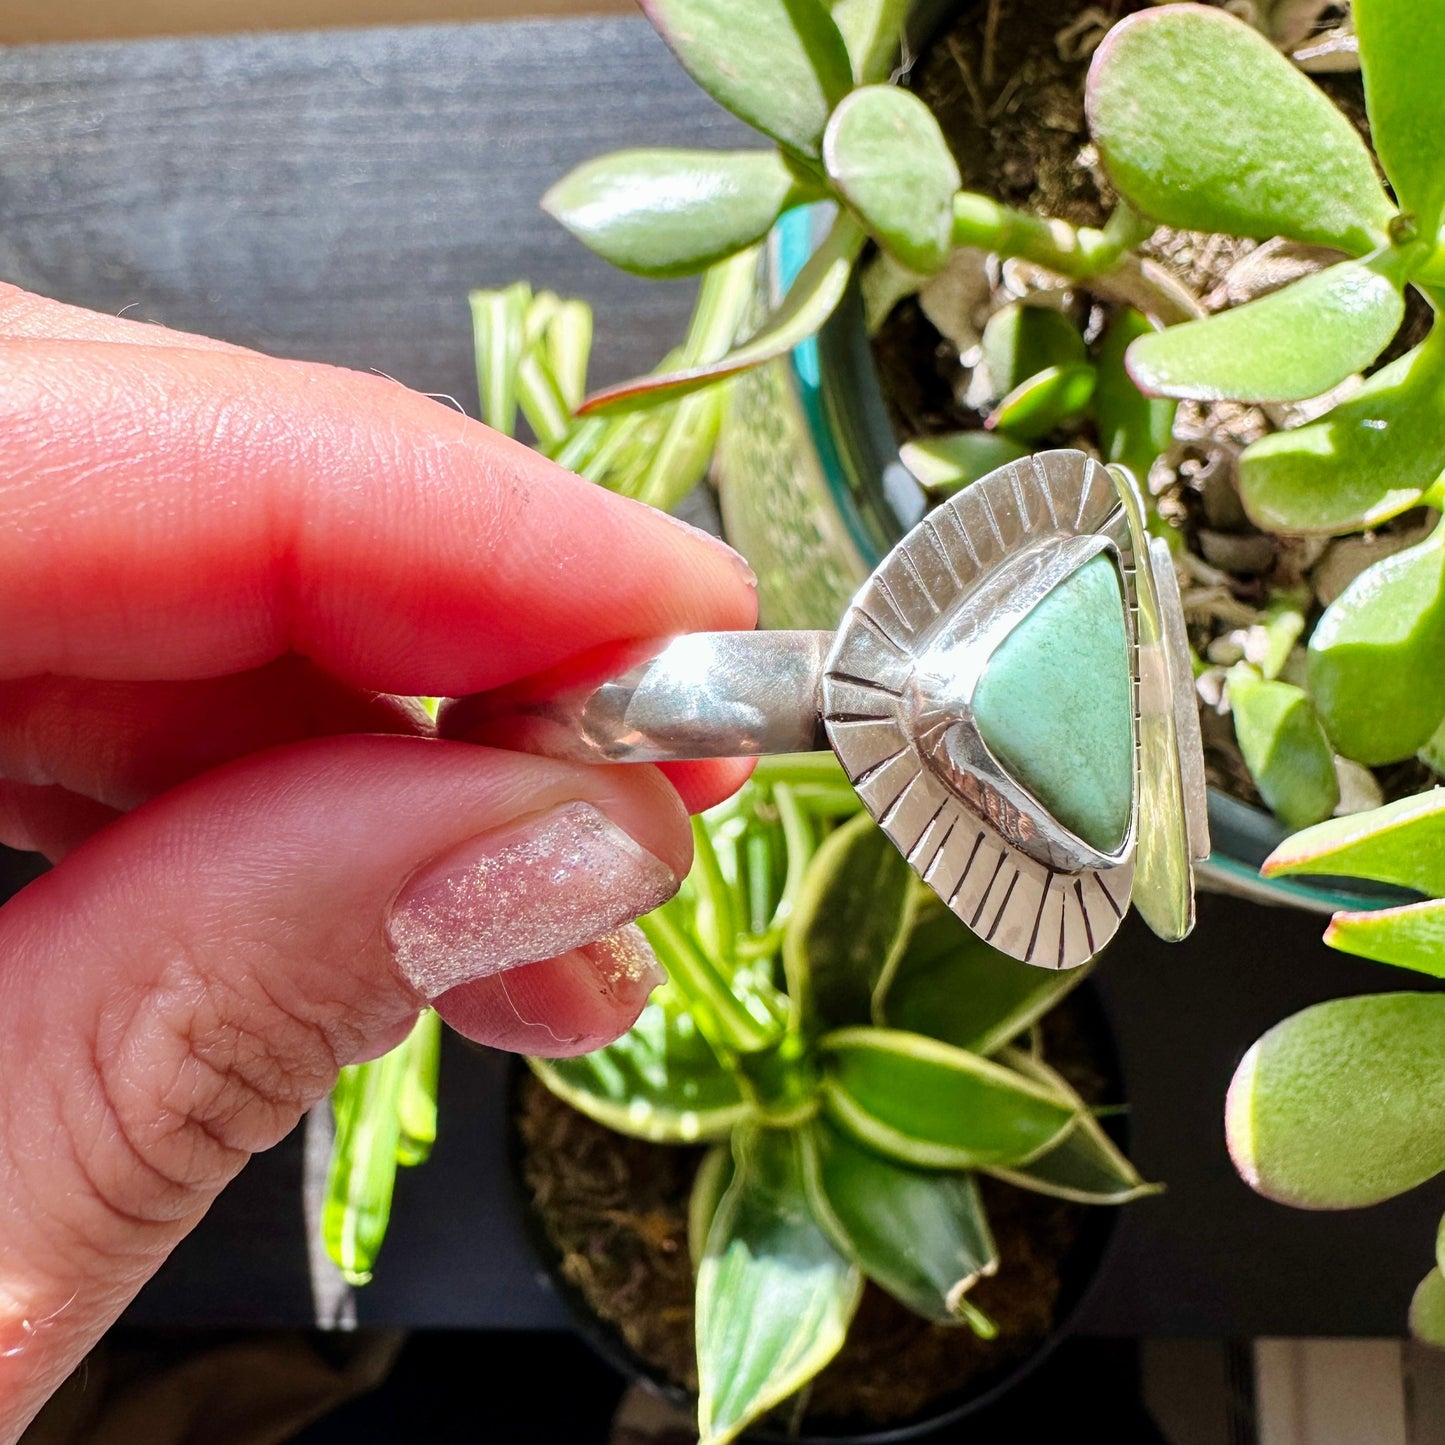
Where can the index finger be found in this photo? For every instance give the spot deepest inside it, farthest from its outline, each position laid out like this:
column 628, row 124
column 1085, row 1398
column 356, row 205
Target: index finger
column 174, row 513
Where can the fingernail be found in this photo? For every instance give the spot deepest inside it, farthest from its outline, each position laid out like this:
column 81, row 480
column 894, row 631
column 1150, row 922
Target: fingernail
column 532, row 890
column 627, row 968
column 739, row 562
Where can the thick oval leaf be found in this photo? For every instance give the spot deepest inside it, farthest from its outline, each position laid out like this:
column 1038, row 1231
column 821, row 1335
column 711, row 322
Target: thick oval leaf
column 780, row 65
column 661, row 1080
column 946, row 464
column 873, row 31
column 950, row 985
column 1409, row 937
column 1035, row 408
column 1295, row 343
column 1369, row 459
column 672, row 212
column 1284, row 748
column 1203, row 124
column 849, row 926
column 1021, row 341
column 1427, row 1310
column 935, row 1106
column 1087, row 1167
column 1402, row 50
column 1401, row 843
column 922, row 1235
column 1339, row 1105
column 1377, row 656
column 1134, row 429
column 774, row 1295
column 811, row 300
column 888, row 159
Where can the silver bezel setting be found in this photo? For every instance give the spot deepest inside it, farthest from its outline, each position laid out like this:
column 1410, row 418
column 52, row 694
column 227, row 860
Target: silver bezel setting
column 896, row 703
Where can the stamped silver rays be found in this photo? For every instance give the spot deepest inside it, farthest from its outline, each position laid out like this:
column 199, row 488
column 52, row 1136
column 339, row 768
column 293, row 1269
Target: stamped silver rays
column 1009, row 692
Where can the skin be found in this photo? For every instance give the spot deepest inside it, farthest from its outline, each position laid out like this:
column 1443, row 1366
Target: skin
column 220, row 575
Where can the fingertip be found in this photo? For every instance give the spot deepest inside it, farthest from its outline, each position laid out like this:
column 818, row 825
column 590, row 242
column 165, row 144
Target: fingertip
column 560, row 1007
column 703, row 785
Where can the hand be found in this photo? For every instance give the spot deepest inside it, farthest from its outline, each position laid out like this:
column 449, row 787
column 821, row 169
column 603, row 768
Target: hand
column 219, row 576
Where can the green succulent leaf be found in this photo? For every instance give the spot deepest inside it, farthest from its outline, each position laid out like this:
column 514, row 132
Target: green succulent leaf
column 774, row 1295
column 1375, row 658
column 849, row 926
column 1412, row 936
column 947, row 464
column 1134, row 429
column 661, row 1080
column 673, row 212
column 782, row 66
column 920, row 1234
column 1020, row 341
column 1366, row 461
column 1036, row 407
column 873, row 32
column 813, row 298
column 1297, row 342
column 952, row 986
column 1402, row 47
column 889, row 162
column 1427, row 1309
column 934, row 1106
column 1203, row 124
column 1284, row 747
column 1087, row 1167
column 1433, row 753
column 1339, row 1106
column 1402, row 843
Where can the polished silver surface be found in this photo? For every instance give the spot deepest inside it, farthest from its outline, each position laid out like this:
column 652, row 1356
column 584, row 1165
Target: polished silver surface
column 702, row 695
column 892, row 693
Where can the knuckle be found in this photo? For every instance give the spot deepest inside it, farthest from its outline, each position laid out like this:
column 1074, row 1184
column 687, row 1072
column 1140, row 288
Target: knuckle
column 189, row 1077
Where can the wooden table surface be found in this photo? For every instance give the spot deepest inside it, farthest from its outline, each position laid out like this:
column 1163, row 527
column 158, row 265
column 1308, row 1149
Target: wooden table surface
column 333, row 196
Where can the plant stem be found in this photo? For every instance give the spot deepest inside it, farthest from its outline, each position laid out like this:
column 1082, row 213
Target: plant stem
column 1104, row 258
column 720, row 1015
column 717, row 913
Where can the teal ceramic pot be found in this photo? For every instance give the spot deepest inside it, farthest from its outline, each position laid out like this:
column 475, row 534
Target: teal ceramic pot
column 813, row 493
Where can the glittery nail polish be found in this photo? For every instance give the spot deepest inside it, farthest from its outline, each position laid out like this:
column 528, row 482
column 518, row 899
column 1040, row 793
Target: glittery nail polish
column 531, row 890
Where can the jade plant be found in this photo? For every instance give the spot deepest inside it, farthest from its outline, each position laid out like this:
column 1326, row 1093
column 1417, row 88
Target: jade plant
column 854, row 1057
column 1200, row 124
column 812, row 78
column 1339, row 1105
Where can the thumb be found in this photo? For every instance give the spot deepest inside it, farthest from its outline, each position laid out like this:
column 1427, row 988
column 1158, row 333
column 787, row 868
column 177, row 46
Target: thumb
column 178, row 991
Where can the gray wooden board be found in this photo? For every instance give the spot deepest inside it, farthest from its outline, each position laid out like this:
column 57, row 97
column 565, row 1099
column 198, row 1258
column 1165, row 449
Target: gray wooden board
column 334, row 196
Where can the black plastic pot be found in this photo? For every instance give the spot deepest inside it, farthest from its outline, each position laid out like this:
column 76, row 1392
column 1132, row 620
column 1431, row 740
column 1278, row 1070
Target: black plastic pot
column 1080, row 1272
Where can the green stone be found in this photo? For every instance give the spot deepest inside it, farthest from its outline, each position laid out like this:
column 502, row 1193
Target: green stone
column 1055, row 705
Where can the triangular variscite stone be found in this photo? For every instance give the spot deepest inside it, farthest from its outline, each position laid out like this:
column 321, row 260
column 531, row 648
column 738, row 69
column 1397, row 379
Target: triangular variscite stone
column 1055, row 705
